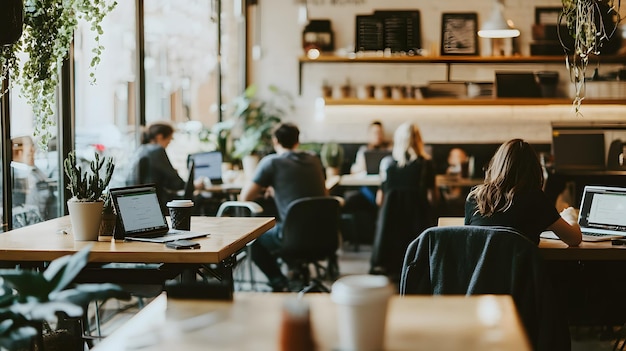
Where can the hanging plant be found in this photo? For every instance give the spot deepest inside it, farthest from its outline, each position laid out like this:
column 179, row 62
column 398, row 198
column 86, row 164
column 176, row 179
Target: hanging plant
column 49, row 27
column 591, row 23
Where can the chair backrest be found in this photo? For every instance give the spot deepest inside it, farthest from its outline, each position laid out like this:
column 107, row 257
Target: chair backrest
column 311, row 228
column 401, row 219
column 235, row 208
column 488, row 260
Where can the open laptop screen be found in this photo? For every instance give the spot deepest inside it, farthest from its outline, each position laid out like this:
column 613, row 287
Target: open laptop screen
column 373, row 158
column 603, row 208
column 138, row 209
column 208, row 164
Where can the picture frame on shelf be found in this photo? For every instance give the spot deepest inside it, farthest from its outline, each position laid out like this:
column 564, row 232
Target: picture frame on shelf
column 459, row 33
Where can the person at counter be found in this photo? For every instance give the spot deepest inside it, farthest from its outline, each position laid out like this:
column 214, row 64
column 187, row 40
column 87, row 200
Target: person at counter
column 287, row 175
column 512, row 196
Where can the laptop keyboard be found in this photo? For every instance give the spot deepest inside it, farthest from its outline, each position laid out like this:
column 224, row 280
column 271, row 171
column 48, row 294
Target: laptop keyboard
column 597, row 235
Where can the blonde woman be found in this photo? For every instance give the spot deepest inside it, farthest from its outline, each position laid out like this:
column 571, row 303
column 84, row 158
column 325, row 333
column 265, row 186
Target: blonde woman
column 512, row 196
column 405, row 198
column 409, row 166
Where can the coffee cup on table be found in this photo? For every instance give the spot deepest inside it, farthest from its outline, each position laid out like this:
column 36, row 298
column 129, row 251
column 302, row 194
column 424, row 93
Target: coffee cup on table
column 180, row 213
column 361, row 302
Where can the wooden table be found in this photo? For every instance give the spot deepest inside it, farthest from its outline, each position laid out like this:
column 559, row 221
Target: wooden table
column 443, row 180
column 252, row 320
column 48, row 240
column 51, row 239
column 556, row 250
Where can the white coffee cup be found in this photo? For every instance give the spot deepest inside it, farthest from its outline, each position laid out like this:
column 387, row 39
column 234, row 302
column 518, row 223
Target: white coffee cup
column 361, row 302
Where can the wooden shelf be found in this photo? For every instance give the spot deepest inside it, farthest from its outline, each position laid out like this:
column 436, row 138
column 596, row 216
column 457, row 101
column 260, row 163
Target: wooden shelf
column 475, row 101
column 455, row 59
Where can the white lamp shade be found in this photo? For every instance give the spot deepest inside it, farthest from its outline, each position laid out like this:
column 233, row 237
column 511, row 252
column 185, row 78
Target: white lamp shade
column 497, row 26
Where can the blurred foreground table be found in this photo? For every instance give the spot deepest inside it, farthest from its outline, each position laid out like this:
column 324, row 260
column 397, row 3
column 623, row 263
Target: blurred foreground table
column 252, row 320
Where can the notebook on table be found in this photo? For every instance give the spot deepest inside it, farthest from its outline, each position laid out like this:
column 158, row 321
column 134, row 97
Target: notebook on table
column 602, row 215
column 141, row 218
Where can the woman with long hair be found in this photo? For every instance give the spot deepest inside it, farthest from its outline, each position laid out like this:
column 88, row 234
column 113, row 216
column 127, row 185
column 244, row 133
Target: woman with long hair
column 406, row 198
column 512, row 196
column 409, row 165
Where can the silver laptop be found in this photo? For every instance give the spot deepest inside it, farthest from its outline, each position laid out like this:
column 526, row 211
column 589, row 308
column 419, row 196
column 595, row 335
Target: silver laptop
column 141, row 218
column 602, row 214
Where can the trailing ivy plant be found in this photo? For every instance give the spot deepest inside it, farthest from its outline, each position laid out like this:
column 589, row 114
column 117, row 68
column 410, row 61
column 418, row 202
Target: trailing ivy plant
column 49, row 27
column 586, row 23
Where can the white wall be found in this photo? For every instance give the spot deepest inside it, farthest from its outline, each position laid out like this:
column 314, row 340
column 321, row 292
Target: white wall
column 279, row 39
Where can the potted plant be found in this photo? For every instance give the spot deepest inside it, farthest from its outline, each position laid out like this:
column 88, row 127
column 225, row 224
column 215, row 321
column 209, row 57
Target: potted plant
column 591, row 23
column 87, row 187
column 32, row 301
column 332, row 158
column 251, row 123
column 48, row 31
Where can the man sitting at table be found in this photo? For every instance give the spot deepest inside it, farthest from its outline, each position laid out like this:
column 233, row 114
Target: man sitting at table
column 287, row 175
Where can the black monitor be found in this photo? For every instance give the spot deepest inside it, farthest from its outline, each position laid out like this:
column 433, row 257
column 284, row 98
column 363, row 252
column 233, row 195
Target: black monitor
column 578, row 149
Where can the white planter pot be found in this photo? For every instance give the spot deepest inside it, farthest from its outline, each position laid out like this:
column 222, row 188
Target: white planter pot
column 85, row 218
column 249, row 164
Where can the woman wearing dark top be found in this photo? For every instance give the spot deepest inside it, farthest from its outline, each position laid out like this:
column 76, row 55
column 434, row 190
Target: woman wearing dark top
column 405, row 198
column 512, row 196
column 158, row 168
column 409, row 168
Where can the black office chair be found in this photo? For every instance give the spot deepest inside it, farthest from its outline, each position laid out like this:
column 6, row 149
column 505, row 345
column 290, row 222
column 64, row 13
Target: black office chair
column 401, row 218
column 310, row 233
column 469, row 260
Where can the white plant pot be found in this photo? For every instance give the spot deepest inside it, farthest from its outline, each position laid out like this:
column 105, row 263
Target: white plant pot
column 85, row 218
column 249, row 164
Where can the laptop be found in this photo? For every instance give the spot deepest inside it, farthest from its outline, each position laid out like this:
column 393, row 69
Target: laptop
column 140, row 217
column 601, row 216
column 207, row 165
column 373, row 158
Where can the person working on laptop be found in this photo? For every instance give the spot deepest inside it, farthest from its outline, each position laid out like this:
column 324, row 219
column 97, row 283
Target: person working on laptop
column 150, row 163
column 375, row 141
column 512, row 196
column 289, row 175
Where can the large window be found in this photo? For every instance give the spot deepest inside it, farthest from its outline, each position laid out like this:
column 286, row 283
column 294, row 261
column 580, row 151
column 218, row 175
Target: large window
column 193, row 62
column 34, row 172
column 182, row 77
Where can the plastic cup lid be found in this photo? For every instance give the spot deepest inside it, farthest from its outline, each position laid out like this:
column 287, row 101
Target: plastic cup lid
column 180, row 203
column 361, row 288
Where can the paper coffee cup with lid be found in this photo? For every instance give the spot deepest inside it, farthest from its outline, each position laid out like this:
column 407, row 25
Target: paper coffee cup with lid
column 180, row 213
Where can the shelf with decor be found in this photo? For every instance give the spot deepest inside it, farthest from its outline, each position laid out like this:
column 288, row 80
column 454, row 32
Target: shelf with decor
column 451, row 60
column 476, row 101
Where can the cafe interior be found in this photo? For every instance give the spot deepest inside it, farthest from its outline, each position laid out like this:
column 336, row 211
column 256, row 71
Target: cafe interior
column 470, row 75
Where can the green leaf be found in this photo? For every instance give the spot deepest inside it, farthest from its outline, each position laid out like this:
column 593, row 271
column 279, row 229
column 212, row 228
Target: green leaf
column 27, row 283
column 47, row 311
column 61, row 277
column 84, row 293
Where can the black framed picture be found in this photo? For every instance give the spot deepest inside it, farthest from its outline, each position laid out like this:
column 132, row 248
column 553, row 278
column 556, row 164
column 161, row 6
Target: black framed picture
column 459, row 34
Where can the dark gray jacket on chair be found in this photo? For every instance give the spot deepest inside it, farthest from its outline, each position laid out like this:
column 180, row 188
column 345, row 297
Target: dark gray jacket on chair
column 471, row 260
